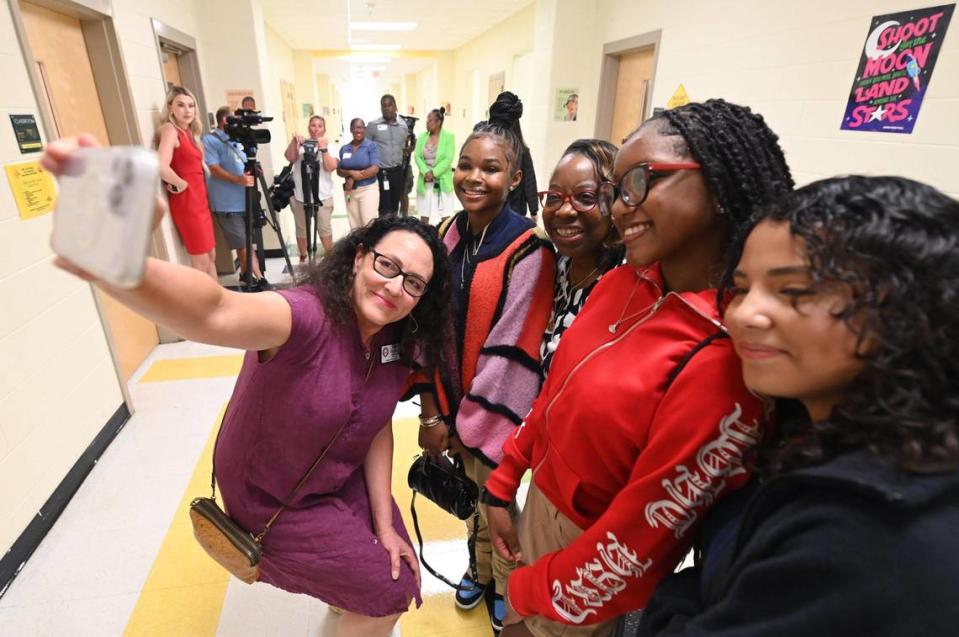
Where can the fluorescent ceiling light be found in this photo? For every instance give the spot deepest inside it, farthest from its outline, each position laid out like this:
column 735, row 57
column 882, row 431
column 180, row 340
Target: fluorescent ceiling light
column 376, row 47
column 369, row 59
column 382, row 26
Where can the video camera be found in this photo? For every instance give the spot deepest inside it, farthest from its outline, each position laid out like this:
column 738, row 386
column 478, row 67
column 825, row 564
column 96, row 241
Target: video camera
column 282, row 189
column 239, row 128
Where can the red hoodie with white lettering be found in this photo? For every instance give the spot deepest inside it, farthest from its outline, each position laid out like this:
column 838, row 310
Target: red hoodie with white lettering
column 627, row 448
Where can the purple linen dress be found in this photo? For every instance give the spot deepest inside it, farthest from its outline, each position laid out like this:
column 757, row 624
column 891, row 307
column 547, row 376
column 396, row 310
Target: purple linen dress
column 282, row 413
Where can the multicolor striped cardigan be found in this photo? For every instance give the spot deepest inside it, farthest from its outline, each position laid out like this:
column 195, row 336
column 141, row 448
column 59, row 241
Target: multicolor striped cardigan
column 504, row 295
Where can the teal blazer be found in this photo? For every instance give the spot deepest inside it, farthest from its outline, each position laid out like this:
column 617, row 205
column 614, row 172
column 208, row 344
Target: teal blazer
column 442, row 169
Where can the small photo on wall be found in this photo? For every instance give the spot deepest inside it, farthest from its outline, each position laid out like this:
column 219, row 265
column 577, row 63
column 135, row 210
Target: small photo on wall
column 567, row 104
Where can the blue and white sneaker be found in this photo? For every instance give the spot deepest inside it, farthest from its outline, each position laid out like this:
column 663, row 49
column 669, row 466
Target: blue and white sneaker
column 497, row 611
column 473, row 594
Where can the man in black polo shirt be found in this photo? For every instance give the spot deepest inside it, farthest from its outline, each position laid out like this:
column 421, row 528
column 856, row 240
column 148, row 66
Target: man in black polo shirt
column 391, row 135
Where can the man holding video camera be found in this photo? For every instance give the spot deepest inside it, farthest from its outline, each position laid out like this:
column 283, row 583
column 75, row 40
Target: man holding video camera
column 392, row 135
column 226, row 186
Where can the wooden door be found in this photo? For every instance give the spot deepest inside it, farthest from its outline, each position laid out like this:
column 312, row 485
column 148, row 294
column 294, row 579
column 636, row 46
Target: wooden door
column 61, row 56
column 632, row 85
column 171, row 66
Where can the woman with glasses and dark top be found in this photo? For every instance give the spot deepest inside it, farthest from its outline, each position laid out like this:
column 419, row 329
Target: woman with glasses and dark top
column 522, row 198
column 841, row 302
column 359, row 163
column 644, row 419
column 332, row 355
column 580, row 234
column 501, row 273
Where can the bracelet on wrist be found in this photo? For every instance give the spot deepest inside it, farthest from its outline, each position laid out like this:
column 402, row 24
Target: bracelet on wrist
column 428, row 422
column 491, row 500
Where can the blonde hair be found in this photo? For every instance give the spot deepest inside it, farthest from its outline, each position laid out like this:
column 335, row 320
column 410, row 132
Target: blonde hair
column 319, row 117
column 196, row 129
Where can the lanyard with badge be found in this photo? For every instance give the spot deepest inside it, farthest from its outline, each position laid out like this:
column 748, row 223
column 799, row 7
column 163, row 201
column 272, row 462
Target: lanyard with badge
column 386, row 177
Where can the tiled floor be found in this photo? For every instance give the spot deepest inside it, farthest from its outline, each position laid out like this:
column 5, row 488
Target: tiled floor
column 121, row 560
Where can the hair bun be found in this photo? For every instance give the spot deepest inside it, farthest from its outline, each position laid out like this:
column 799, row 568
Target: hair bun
column 442, row 110
column 507, row 108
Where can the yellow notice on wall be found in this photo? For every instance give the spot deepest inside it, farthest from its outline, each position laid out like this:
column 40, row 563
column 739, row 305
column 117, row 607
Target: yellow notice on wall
column 33, row 189
column 679, row 98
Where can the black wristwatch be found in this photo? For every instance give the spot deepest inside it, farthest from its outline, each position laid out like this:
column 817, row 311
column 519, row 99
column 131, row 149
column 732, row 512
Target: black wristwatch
column 491, row 500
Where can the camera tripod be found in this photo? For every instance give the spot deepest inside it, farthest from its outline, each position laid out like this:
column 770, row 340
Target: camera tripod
column 407, row 154
column 252, row 167
column 309, row 180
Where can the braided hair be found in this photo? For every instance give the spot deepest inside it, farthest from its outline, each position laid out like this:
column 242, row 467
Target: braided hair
column 503, row 127
column 741, row 159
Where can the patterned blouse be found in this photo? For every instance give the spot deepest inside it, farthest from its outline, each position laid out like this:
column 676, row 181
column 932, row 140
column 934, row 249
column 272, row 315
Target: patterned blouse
column 567, row 302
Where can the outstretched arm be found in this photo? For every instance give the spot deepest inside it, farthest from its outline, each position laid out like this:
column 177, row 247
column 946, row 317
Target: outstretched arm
column 184, row 299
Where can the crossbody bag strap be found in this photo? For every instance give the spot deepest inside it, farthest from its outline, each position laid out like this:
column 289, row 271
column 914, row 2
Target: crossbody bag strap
column 300, row 484
column 216, row 443
column 292, row 493
column 470, row 547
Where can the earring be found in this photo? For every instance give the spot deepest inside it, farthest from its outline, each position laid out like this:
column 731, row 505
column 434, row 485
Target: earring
column 720, row 210
column 416, row 326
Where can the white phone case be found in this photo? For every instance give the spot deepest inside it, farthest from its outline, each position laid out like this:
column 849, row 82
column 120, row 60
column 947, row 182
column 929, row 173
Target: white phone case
column 105, row 210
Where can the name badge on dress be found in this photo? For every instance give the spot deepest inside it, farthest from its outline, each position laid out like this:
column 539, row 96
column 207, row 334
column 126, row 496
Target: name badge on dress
column 381, row 127
column 347, row 155
column 390, row 353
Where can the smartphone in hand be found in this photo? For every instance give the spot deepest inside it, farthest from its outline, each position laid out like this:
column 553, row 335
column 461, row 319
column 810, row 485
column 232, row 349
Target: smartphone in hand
column 104, row 211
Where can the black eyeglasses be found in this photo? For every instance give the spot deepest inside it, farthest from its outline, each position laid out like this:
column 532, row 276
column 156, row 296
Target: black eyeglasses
column 581, row 200
column 633, row 188
column 387, row 268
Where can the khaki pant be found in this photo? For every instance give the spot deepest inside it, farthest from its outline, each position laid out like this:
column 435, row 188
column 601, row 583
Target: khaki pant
column 489, row 564
column 362, row 205
column 543, row 529
column 324, row 214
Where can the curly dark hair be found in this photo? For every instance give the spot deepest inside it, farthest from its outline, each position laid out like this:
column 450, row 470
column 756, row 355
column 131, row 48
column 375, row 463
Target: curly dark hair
column 742, row 162
column 333, row 279
column 894, row 243
column 601, row 154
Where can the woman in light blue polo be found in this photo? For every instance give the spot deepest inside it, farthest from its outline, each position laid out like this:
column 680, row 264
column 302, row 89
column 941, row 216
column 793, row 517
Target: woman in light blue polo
column 434, row 154
column 359, row 163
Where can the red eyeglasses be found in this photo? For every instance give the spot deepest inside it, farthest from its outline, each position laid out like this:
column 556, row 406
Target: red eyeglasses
column 634, row 187
column 581, row 200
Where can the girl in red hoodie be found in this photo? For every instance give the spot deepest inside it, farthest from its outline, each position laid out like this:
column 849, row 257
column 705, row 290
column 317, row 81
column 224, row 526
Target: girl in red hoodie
column 644, row 418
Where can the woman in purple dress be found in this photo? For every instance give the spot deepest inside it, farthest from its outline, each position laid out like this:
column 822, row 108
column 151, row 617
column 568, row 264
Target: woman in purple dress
column 335, row 350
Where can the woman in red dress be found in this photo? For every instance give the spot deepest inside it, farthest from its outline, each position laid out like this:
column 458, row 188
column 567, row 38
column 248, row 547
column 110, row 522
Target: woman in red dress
column 181, row 166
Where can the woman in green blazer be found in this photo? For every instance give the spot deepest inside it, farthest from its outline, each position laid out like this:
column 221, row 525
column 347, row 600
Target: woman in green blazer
column 434, row 153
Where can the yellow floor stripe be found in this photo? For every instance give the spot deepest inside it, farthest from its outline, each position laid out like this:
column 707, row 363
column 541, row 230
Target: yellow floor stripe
column 190, row 368
column 439, row 617
column 185, row 590
column 183, row 594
